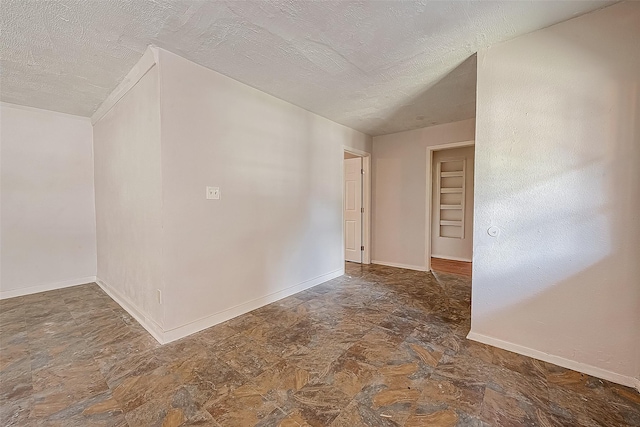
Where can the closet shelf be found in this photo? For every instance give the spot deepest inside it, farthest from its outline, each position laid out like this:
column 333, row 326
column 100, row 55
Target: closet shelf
column 451, row 190
column 450, row 197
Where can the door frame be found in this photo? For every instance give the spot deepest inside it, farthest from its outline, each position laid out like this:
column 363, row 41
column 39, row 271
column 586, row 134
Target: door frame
column 429, row 206
column 366, row 201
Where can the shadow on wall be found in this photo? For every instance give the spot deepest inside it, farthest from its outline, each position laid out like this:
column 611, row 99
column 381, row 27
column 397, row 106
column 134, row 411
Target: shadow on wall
column 558, row 172
column 451, row 98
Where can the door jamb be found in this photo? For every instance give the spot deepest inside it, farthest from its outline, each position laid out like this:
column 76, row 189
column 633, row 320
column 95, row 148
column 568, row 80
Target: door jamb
column 366, row 202
column 429, row 206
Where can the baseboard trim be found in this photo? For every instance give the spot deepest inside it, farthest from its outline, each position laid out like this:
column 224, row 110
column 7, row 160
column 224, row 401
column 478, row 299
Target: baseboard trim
column 46, row 287
column 557, row 360
column 240, row 309
column 166, row 336
column 143, row 319
column 451, row 258
column 398, row 265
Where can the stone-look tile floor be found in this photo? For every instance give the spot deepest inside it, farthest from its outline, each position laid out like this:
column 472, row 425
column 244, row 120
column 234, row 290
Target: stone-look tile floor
column 377, row 347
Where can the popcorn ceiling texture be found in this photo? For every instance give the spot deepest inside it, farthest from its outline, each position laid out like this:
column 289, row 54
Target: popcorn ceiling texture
column 378, row 67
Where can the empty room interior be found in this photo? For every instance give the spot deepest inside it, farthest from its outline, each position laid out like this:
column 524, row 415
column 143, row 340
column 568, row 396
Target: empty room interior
column 319, row 213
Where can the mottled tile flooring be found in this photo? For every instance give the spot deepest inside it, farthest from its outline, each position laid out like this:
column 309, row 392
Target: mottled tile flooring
column 377, row 347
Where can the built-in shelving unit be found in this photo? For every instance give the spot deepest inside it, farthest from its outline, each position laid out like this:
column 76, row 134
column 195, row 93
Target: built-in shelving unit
column 450, row 197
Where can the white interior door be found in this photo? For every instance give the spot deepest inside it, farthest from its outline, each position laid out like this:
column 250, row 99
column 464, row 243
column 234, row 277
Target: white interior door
column 353, row 209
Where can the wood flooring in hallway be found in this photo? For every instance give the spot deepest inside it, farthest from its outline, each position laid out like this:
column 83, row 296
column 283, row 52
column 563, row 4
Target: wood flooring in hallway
column 460, row 268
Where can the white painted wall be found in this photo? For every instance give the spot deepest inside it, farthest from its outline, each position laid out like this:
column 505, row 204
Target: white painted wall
column 47, row 234
column 128, row 183
column 399, row 191
column 557, row 155
column 278, row 225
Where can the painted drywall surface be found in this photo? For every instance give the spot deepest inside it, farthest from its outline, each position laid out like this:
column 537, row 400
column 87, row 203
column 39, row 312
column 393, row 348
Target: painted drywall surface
column 48, row 218
column 278, row 222
column 378, row 67
column 557, row 155
column 452, row 248
column 129, row 197
column 399, row 190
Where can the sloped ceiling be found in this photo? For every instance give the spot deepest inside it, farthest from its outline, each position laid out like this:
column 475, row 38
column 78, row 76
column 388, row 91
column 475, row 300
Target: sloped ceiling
column 376, row 66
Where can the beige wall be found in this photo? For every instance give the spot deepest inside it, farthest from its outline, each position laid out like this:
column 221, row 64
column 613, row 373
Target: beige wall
column 129, row 200
column 557, row 155
column 277, row 228
column 399, row 191
column 278, row 225
column 47, row 231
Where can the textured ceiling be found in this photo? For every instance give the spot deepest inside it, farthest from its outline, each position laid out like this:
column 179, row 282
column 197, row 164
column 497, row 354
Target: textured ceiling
column 379, row 67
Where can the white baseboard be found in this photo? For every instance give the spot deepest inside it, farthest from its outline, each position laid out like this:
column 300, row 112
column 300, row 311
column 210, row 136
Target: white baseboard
column 557, row 360
column 230, row 313
column 46, row 287
column 451, row 258
column 397, row 265
column 145, row 320
column 166, row 336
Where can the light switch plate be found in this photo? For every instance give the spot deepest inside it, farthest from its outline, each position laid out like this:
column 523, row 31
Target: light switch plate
column 213, row 193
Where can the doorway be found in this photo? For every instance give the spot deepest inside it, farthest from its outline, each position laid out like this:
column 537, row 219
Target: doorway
column 356, row 206
column 450, row 208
